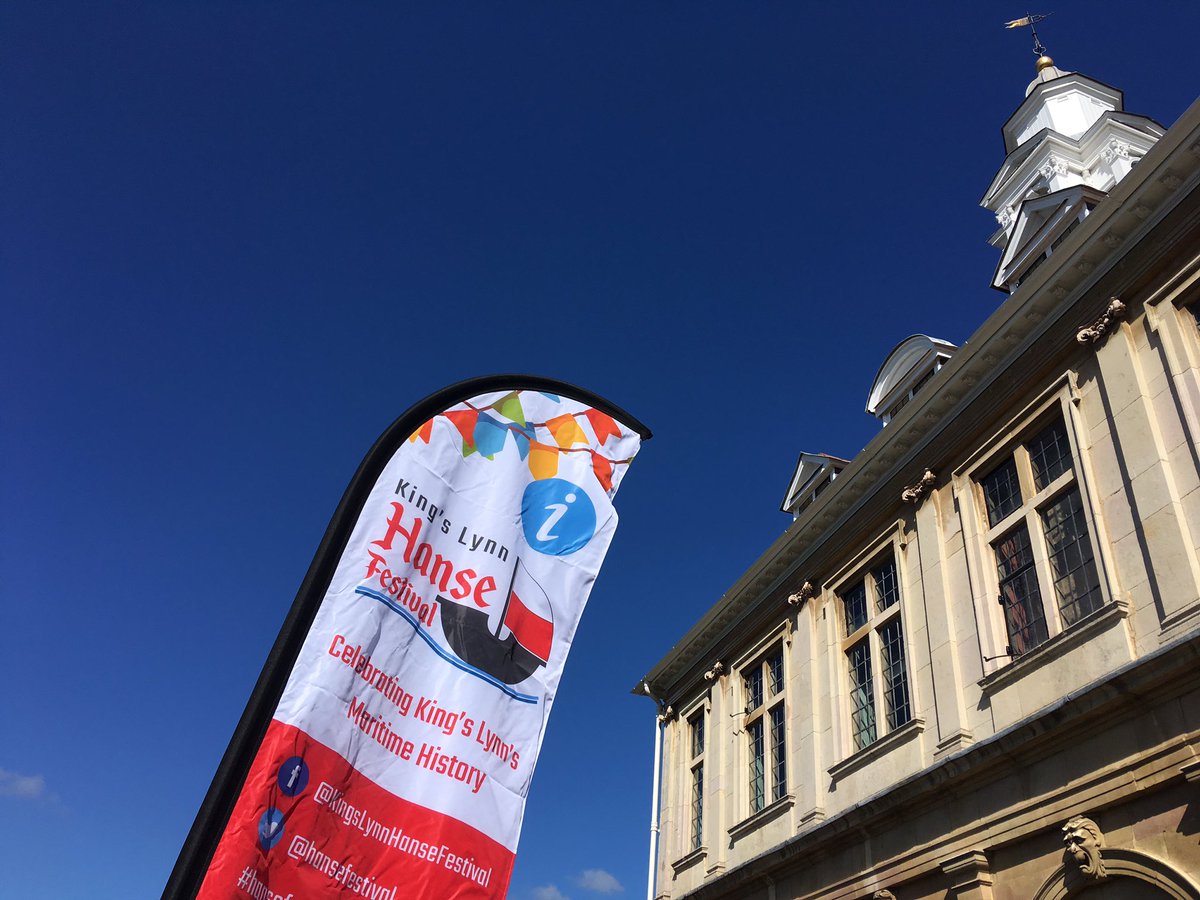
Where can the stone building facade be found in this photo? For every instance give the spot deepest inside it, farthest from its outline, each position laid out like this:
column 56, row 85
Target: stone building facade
column 970, row 668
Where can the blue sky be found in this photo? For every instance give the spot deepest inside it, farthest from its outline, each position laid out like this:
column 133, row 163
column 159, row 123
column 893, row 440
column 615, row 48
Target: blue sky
column 238, row 239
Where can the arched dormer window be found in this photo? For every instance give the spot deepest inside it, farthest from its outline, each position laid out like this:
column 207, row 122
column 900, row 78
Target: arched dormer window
column 907, row 369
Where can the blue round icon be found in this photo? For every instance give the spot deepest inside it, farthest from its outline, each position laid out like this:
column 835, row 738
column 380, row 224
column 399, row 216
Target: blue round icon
column 293, row 776
column 270, row 828
column 558, row 517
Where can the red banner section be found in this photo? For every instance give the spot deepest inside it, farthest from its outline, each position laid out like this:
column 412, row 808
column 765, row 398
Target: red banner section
column 308, row 824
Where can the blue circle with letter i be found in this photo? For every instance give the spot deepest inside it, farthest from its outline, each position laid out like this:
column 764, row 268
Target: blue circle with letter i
column 558, row 517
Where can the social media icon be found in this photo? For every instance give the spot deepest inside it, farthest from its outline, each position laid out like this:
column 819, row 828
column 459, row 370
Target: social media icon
column 270, row 828
column 293, row 776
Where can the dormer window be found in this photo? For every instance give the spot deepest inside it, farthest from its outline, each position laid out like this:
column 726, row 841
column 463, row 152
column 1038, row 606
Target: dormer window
column 1042, row 224
column 814, row 473
column 907, row 369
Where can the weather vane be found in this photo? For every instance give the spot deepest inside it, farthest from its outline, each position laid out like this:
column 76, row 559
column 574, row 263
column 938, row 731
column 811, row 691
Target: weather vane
column 1031, row 21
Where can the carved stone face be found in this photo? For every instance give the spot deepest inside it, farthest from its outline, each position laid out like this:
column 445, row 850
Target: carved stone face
column 1083, row 841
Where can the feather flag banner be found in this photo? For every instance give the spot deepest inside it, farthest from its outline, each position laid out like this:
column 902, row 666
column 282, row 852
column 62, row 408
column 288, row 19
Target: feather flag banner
column 388, row 748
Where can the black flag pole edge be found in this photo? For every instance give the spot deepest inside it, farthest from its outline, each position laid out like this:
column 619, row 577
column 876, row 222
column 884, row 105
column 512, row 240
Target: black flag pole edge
column 215, row 810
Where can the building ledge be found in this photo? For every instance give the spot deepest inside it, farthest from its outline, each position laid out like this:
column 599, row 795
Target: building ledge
column 872, row 752
column 1081, row 632
column 1180, row 621
column 959, row 740
column 762, row 817
column 689, row 859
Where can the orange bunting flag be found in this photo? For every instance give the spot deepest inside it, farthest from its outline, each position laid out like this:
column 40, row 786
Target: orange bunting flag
column 424, row 433
column 566, row 431
column 542, row 460
column 603, row 426
column 603, row 469
column 464, row 420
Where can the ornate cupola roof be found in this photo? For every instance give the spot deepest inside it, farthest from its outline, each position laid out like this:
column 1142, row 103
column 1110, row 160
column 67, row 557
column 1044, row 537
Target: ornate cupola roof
column 1067, row 146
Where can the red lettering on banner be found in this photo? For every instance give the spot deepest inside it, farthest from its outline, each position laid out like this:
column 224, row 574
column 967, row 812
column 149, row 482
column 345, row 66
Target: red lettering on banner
column 438, row 569
column 395, row 527
column 440, row 563
column 486, row 584
column 463, row 579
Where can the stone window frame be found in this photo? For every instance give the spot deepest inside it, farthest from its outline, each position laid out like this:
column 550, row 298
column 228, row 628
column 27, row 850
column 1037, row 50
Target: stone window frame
column 859, row 569
column 776, row 639
column 694, row 758
column 688, row 853
column 1174, row 314
column 1057, row 401
column 772, row 728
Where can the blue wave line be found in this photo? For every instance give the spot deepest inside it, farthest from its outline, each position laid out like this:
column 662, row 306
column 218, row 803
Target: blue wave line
column 448, row 657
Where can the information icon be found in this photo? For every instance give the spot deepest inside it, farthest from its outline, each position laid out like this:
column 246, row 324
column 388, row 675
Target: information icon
column 293, row 776
column 270, row 828
column 557, row 516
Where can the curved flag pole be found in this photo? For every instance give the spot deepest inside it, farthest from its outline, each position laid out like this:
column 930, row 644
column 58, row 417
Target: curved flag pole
column 213, row 815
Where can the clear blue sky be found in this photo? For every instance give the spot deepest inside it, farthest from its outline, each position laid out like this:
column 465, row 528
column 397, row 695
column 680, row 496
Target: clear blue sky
column 237, row 239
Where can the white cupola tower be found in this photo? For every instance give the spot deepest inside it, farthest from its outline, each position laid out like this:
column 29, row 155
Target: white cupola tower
column 1067, row 145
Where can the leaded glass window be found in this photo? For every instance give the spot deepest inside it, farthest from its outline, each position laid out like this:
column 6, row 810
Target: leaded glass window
column 862, row 696
column 1040, row 539
column 895, row 679
column 879, row 699
column 758, row 793
column 766, row 729
column 696, row 767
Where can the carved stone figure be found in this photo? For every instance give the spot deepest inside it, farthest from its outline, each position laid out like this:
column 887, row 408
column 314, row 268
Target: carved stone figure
column 1084, row 840
column 806, row 592
column 1096, row 332
column 915, row 492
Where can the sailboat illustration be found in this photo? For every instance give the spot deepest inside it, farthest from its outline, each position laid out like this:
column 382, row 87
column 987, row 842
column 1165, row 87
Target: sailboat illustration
column 527, row 623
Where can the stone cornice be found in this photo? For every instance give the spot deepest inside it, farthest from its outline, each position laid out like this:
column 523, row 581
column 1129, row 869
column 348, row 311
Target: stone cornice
column 1075, row 283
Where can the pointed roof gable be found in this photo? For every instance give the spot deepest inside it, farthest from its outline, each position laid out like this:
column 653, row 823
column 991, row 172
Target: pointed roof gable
column 813, row 473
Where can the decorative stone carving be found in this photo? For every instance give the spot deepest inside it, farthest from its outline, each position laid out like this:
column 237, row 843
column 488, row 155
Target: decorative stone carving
column 802, row 596
column 715, row 672
column 1098, row 330
column 1005, row 216
column 883, row 895
column 1144, row 876
column 914, row 493
column 1053, row 166
column 1084, row 841
column 1115, row 149
column 667, row 714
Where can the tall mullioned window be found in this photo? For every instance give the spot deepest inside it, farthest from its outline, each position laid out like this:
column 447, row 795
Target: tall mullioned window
column 874, row 646
column 1038, row 532
column 696, row 773
column 766, row 729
